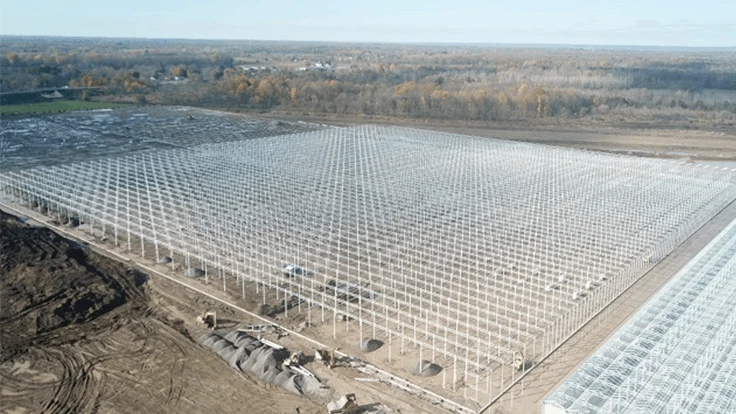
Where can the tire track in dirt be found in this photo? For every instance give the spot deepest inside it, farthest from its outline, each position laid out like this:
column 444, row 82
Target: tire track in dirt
column 77, row 389
column 50, row 278
column 176, row 373
column 133, row 356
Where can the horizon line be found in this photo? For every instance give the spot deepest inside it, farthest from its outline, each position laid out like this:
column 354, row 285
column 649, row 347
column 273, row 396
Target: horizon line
column 376, row 42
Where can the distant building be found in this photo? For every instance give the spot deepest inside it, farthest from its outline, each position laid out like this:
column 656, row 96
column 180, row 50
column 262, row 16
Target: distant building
column 53, row 95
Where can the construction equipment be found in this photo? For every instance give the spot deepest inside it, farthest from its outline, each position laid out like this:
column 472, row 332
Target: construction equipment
column 294, row 360
column 209, row 319
column 345, row 405
column 292, row 271
column 519, row 360
column 327, row 356
column 322, row 355
column 521, row 363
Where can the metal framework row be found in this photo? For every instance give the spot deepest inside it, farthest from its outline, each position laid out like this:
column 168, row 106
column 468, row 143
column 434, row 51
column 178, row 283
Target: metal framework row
column 482, row 255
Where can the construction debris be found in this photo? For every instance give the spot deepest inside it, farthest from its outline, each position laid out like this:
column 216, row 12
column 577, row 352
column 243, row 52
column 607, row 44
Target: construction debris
column 346, row 404
column 271, row 344
column 264, row 329
column 266, row 360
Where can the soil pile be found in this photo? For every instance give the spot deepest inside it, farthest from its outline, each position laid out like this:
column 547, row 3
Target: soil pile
column 51, row 285
column 81, row 333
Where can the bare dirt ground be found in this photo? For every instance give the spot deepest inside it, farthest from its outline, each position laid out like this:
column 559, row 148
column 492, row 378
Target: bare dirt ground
column 81, row 333
column 717, row 142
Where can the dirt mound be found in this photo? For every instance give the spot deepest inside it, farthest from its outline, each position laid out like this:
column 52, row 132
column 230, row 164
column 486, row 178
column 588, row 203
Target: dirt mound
column 80, row 334
column 50, row 284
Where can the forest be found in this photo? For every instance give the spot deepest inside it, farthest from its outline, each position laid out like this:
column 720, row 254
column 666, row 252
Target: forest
column 443, row 82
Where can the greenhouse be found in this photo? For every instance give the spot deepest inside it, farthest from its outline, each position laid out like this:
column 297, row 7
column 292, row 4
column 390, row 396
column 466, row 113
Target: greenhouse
column 677, row 354
column 482, row 255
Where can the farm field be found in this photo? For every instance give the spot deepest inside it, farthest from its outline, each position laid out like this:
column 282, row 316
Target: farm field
column 56, row 107
column 645, row 140
column 62, row 138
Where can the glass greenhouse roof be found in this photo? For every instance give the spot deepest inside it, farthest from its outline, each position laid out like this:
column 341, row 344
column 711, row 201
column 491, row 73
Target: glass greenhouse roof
column 676, row 355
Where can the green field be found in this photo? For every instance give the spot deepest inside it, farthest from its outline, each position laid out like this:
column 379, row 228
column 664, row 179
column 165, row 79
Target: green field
column 55, row 107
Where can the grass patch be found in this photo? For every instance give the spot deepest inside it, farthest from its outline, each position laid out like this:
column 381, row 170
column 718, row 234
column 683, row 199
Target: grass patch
column 56, row 107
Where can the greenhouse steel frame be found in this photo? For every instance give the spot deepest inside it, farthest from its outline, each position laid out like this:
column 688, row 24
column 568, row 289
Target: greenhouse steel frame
column 677, row 354
column 480, row 254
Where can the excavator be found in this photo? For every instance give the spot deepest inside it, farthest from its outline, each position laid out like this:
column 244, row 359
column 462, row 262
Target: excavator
column 209, row 319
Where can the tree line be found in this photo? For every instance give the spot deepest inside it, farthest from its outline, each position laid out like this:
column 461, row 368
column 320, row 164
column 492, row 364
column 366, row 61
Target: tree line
column 413, row 81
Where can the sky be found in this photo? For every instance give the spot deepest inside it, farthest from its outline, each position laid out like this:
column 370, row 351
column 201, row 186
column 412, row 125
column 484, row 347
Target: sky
column 697, row 23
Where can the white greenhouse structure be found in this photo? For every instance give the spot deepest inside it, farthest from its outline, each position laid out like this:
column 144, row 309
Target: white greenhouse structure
column 676, row 355
column 481, row 255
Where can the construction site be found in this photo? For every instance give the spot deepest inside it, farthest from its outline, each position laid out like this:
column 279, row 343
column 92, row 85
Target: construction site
column 676, row 354
column 443, row 270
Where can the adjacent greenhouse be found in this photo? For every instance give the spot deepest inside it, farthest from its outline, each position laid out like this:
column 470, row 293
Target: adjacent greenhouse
column 677, row 354
column 477, row 255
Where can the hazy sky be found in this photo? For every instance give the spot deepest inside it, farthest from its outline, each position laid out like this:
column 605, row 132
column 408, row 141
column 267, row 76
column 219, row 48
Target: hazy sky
column 614, row 22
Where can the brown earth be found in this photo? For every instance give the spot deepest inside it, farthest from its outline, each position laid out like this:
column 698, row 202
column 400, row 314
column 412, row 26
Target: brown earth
column 81, row 333
column 709, row 142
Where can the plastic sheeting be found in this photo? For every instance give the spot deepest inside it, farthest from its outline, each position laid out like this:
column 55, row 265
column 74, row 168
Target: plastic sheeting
column 249, row 355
